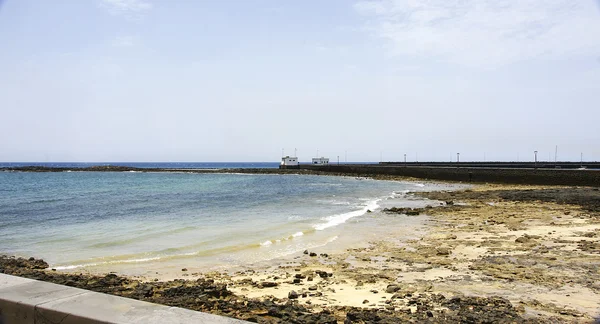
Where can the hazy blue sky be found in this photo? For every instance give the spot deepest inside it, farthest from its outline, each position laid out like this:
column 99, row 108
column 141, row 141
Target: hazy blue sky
column 158, row 80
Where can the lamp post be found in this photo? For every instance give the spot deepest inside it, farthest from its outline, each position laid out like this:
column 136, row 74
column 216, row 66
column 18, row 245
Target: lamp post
column 457, row 157
column 405, row 160
column 535, row 156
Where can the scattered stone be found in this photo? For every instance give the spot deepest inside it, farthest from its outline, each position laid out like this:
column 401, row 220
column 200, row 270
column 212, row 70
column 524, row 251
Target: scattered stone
column 293, row 295
column 392, row 289
column 443, row 251
column 267, row 284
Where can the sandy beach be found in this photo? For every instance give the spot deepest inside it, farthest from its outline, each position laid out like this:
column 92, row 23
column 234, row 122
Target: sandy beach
column 491, row 253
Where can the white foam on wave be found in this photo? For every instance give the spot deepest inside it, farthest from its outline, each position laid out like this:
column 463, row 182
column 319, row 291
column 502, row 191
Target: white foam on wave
column 75, row 266
column 266, row 243
column 297, row 234
column 419, row 185
column 342, row 218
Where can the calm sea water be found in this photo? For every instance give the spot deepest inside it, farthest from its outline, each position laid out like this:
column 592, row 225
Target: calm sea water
column 163, row 165
column 107, row 220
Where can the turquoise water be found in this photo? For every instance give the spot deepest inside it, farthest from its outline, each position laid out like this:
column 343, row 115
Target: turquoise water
column 86, row 220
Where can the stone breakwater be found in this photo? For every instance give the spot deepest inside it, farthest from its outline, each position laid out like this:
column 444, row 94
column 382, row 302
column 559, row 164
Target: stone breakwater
column 492, row 254
column 468, row 174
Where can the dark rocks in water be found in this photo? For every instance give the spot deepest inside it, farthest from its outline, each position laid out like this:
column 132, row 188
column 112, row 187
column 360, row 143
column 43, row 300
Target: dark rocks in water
column 313, row 254
column 325, row 255
column 449, row 202
column 297, row 280
column 184, row 269
column 31, row 263
column 300, row 276
column 305, row 252
column 293, row 295
column 403, row 211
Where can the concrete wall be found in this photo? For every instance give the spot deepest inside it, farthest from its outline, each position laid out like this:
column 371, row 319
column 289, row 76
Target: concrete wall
column 26, row 301
column 497, row 175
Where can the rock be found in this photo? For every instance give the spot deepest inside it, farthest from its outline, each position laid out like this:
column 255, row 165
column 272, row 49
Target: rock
column 449, row 202
column 366, row 301
column 293, row 295
column 300, row 276
column 312, row 288
column 267, row 284
column 442, row 251
column 184, row 269
column 322, row 274
column 297, row 280
column 305, row 252
column 310, row 278
column 313, row 254
column 392, row 289
column 374, row 291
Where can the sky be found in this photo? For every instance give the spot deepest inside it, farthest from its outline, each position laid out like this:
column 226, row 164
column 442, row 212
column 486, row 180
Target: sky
column 244, row 80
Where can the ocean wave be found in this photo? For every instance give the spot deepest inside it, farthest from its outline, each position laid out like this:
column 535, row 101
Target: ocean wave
column 93, row 264
column 336, row 220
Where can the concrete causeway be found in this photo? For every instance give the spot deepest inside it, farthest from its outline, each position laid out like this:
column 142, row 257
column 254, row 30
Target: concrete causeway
column 24, row 301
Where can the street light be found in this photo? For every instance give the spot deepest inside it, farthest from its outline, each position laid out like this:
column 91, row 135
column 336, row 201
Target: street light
column 405, row 160
column 535, row 154
column 457, row 157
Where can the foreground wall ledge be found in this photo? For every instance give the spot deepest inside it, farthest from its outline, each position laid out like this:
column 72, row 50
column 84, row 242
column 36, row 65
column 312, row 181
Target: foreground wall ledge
column 30, row 301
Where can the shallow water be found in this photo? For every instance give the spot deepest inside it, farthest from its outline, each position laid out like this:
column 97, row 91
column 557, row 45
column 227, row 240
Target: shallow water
column 141, row 222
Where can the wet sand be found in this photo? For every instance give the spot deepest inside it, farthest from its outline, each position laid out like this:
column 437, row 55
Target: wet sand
column 492, row 253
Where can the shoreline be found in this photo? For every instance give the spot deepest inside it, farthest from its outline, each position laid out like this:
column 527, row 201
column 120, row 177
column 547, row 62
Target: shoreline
column 492, row 253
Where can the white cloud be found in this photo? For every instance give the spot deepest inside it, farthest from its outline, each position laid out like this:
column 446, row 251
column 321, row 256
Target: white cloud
column 485, row 33
column 127, row 8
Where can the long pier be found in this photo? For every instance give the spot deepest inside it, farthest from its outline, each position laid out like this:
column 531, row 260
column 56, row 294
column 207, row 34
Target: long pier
column 469, row 172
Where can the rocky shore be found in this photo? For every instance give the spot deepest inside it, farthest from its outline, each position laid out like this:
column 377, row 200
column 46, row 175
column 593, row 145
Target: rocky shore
column 492, row 254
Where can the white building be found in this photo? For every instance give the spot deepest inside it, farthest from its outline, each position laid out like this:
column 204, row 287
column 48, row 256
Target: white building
column 321, row 160
column 289, row 161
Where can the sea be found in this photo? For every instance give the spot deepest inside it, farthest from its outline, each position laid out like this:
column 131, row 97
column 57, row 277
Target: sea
column 152, row 223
